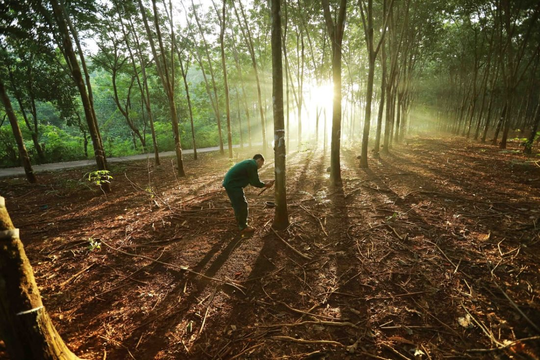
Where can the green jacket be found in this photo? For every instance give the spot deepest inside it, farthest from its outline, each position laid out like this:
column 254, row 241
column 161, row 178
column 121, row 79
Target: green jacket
column 243, row 174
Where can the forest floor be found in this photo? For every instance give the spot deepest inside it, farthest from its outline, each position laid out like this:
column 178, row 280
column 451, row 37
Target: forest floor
column 431, row 253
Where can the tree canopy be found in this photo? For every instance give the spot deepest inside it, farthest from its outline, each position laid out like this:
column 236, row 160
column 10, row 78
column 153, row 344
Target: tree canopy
column 204, row 68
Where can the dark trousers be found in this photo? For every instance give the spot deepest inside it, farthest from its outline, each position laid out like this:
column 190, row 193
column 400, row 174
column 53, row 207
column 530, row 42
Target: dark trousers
column 240, row 205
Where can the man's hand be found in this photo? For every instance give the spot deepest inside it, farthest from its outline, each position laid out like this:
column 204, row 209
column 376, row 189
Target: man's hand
column 269, row 184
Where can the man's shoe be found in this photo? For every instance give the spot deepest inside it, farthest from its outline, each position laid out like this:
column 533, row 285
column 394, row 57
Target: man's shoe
column 248, row 230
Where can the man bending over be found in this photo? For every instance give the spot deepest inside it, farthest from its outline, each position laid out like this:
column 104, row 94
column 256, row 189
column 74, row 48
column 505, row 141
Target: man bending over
column 237, row 178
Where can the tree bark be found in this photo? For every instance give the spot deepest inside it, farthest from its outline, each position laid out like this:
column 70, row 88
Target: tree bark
column 167, row 80
column 244, row 96
column 18, row 96
column 527, row 149
column 249, row 42
column 188, row 98
column 143, row 86
column 25, row 325
column 281, row 218
column 372, row 56
column 215, row 99
column 73, row 64
column 23, row 154
column 223, row 20
column 335, row 31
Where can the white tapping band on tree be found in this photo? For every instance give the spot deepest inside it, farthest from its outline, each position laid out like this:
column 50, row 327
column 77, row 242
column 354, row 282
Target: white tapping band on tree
column 29, row 311
column 9, row 234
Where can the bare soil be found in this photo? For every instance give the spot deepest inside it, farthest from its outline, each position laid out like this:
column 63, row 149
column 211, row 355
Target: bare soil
column 431, row 253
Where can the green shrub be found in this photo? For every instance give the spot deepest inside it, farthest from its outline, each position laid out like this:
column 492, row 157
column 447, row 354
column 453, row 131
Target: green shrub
column 59, row 146
column 9, row 155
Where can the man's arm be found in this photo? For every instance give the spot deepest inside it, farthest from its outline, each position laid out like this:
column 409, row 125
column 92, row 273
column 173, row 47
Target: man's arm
column 254, row 177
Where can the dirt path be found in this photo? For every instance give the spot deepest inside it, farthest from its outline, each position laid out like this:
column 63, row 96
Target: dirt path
column 431, row 253
column 19, row 171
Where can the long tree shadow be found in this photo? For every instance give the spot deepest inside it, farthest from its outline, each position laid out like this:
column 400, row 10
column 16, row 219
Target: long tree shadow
column 268, row 296
column 173, row 308
column 417, row 234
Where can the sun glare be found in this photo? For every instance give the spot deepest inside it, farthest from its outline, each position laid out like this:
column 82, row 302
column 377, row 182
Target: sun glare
column 322, row 94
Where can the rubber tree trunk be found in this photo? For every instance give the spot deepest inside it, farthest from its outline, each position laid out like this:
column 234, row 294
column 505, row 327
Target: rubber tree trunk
column 75, row 69
column 23, row 154
column 246, row 32
column 281, row 218
column 530, row 141
column 215, row 97
column 25, row 326
column 335, row 31
column 166, row 76
column 188, row 98
column 143, row 85
column 225, row 81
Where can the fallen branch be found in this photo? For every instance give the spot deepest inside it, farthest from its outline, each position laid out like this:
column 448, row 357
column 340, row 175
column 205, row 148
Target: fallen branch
column 206, row 313
column 305, row 312
column 373, row 356
column 175, row 267
column 291, row 247
column 316, row 218
column 395, row 232
column 517, row 307
column 303, row 341
column 75, row 276
column 314, row 322
column 353, row 192
column 438, row 320
column 486, row 331
column 396, row 352
column 130, row 276
column 447, row 258
column 515, row 342
column 247, row 350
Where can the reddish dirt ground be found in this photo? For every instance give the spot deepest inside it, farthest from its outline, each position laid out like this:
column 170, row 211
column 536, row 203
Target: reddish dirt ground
column 431, row 253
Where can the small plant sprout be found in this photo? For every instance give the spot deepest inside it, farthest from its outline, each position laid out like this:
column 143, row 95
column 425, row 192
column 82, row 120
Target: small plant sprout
column 150, row 191
column 94, row 245
column 99, row 177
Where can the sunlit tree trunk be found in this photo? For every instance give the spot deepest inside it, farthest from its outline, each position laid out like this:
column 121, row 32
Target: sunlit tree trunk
column 143, row 86
column 239, row 115
column 246, row 32
column 25, row 325
column 281, row 218
column 215, row 98
column 335, row 31
column 166, row 76
column 301, row 55
column 287, row 90
column 223, row 20
column 188, row 98
column 244, row 96
column 382, row 100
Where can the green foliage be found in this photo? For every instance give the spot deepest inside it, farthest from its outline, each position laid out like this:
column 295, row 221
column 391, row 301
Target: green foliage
column 9, row 155
column 93, row 245
column 115, row 147
column 61, row 146
column 206, row 135
column 99, row 177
